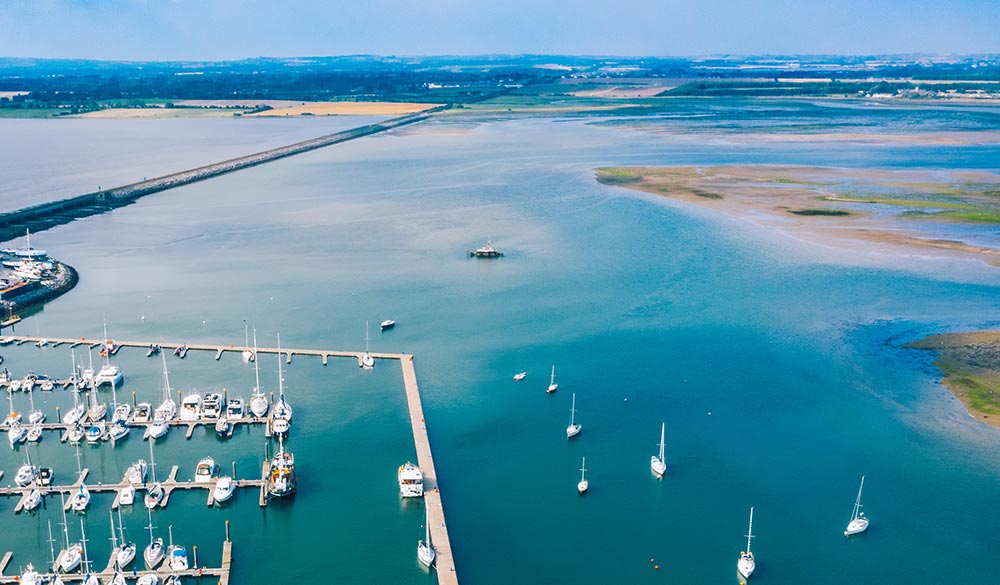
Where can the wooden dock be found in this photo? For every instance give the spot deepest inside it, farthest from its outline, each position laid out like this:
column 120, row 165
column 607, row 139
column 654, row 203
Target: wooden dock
column 169, row 486
column 444, row 562
column 218, row 350
column 218, row 574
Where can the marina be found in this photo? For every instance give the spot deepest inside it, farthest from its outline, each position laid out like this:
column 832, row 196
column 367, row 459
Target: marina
column 438, row 545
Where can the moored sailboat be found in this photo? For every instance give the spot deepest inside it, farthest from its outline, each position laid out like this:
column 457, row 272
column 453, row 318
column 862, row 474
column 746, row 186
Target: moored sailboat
column 657, row 463
column 747, row 564
column 573, row 429
column 859, row 522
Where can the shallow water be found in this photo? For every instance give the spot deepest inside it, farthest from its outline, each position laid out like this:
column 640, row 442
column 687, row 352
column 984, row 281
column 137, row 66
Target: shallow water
column 651, row 311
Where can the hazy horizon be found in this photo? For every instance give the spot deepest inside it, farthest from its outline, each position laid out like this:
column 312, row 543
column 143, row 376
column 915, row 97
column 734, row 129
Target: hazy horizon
column 188, row 30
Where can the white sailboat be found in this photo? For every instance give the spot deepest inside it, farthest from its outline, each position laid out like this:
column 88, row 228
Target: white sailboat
column 167, row 409
column 177, row 557
column 154, row 551
column 425, row 550
column 71, row 556
column 258, row 400
column 584, row 485
column 859, row 522
column 80, row 500
column 13, row 418
column 27, row 473
column 76, row 413
column 367, row 361
column 154, row 492
column 88, row 578
column 248, row 355
column 35, row 416
column 224, row 489
column 98, row 410
column 281, row 412
column 124, row 551
column 657, row 463
column 573, row 429
column 746, row 564
column 109, row 373
column 552, row 382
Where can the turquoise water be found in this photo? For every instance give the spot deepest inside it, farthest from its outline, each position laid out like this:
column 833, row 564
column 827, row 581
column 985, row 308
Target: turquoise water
column 650, row 311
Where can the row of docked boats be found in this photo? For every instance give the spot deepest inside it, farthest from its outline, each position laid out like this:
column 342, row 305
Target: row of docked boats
column 411, row 485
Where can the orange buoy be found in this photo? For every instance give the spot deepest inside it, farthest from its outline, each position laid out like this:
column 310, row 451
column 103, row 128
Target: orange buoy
column 657, row 567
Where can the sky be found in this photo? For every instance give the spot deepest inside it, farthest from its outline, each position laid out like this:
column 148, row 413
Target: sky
column 234, row 29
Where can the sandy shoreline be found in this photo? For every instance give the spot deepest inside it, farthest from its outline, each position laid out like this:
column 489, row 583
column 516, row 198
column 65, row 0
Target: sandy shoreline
column 834, row 206
column 970, row 366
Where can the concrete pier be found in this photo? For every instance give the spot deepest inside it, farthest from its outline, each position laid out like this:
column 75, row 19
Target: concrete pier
column 444, row 562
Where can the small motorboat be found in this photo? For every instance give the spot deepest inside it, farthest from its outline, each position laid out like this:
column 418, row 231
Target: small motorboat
column 159, row 427
column 122, row 412
column 224, row 428
column 224, row 489
column 148, row 579
column 235, row 408
column 142, row 413
column 153, row 350
column 96, row 432
column 76, row 433
column 119, row 430
column 126, row 496
column 205, row 470
column 520, row 376
column 181, row 351
column 35, row 433
column 136, row 473
column 17, row 433
column 387, row 324
column 44, row 478
column 80, row 499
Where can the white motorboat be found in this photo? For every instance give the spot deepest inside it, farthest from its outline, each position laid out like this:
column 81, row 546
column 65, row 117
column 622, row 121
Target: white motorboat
column 235, row 408
column 520, row 376
column 859, row 522
column 425, row 550
column 387, row 324
column 17, row 433
column 552, row 382
column 657, row 463
column 258, row 400
column 747, row 564
column 126, row 495
column 177, row 558
column 148, row 579
column 224, row 489
column 136, row 473
column 211, row 406
column 33, row 500
column 153, row 554
column 281, row 480
column 14, row 386
column 80, row 500
column 31, row 577
column 122, row 412
column 573, row 429
column 191, row 407
column 143, row 412
column 223, row 427
column 205, row 471
column 27, row 473
column 159, row 427
column 280, row 426
column 34, row 433
column 366, row 361
column 584, row 485
column 119, row 430
column 411, row 481
column 45, row 476
column 76, row 434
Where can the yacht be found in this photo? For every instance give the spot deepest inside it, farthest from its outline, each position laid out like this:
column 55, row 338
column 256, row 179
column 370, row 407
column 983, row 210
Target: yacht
column 33, row 500
column 205, row 470
column 552, row 382
column 177, row 558
column 98, row 410
column 34, row 415
column 366, row 361
column 119, row 430
column 247, row 355
column 258, row 400
column 31, row 577
column 859, row 522
column 425, row 550
column 387, row 324
column 224, row 489
column 280, row 426
column 573, row 429
column 154, row 491
column 657, row 464
column 746, row 564
column 80, row 500
column 79, row 408
column 71, row 556
column 136, row 473
column 159, row 427
column 487, row 251
column 152, row 555
column 281, row 480
column 27, row 473
column 122, row 412
column 13, row 417
column 235, row 408
column 109, row 374
column 281, row 412
column 411, row 481
column 17, row 433
column 212, row 406
column 148, row 579
column 191, row 407
column 168, row 408
column 584, row 485
column 126, row 495
column 124, row 551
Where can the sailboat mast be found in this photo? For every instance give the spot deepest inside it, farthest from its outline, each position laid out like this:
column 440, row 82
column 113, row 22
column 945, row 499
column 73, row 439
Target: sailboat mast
column 149, row 513
column 583, row 469
column 857, row 502
column 281, row 377
column 256, row 362
column 152, row 471
column 427, row 524
column 114, row 536
column 663, row 430
column 572, row 411
column 52, row 548
column 65, row 526
column 750, row 530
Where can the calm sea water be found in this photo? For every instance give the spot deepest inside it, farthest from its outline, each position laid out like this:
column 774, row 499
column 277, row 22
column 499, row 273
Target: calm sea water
column 775, row 364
